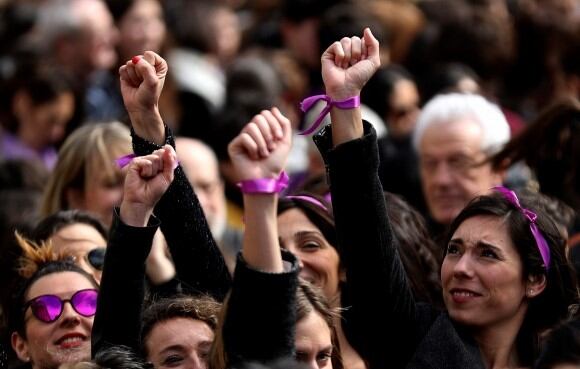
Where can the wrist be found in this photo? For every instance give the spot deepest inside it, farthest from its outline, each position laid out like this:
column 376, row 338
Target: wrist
column 135, row 214
column 148, row 125
column 343, row 94
column 264, row 185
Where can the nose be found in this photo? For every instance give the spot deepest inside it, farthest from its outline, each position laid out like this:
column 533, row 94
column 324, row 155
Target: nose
column 69, row 317
column 311, row 364
column 441, row 174
column 463, row 268
column 196, row 362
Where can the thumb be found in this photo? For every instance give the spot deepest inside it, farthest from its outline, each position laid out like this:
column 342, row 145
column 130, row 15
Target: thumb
column 147, row 71
column 169, row 162
column 372, row 47
column 158, row 63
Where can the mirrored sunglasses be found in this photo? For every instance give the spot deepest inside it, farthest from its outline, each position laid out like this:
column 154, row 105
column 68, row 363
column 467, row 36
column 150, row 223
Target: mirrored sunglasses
column 48, row 308
column 96, row 257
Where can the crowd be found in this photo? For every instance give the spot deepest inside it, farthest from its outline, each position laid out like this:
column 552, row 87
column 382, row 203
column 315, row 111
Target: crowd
column 318, row 184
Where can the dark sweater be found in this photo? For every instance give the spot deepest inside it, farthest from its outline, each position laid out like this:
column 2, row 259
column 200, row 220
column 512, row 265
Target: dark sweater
column 199, row 264
column 382, row 320
column 260, row 320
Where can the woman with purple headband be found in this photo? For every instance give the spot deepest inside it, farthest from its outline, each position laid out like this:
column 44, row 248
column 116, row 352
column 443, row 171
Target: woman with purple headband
column 505, row 277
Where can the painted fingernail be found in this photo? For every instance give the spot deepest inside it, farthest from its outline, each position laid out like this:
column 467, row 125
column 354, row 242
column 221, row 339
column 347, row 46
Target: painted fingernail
column 135, row 59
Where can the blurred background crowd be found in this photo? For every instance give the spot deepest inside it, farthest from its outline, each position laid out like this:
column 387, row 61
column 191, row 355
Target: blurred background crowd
column 63, row 121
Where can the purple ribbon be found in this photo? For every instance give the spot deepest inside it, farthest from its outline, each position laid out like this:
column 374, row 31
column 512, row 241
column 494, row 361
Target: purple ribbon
column 265, row 185
column 532, row 217
column 124, row 160
column 309, row 199
column 309, row 102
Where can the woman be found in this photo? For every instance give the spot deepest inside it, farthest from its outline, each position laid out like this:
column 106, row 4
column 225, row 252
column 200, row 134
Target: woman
column 40, row 99
column 76, row 234
column 501, row 286
column 52, row 315
column 85, row 176
column 200, row 267
column 285, row 317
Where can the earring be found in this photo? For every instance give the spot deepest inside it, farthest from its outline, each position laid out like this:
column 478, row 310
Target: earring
column 531, row 292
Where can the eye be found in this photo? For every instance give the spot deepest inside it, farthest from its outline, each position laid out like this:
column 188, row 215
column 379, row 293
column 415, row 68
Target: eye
column 489, row 253
column 323, row 357
column 301, row 356
column 172, row 360
column 452, row 249
column 310, row 246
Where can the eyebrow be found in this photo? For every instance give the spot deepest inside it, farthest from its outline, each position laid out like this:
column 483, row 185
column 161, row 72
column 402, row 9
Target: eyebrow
column 303, row 234
column 173, row 348
column 479, row 244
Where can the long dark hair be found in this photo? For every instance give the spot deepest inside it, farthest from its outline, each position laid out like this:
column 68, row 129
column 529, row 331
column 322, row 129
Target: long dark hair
column 550, row 146
column 550, row 306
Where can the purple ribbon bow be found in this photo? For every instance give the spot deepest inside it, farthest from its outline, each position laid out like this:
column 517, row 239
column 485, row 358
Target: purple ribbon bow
column 532, row 217
column 308, row 103
column 124, row 160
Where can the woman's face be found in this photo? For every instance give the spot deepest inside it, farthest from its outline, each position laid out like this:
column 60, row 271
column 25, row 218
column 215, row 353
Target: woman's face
column 79, row 240
column 50, row 118
column 403, row 108
column 482, row 279
column 141, row 28
column 102, row 193
column 68, row 339
column 313, row 342
column 182, row 343
column 319, row 261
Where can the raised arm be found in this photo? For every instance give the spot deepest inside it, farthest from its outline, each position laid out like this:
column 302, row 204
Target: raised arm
column 199, row 264
column 264, row 290
column 118, row 318
column 380, row 321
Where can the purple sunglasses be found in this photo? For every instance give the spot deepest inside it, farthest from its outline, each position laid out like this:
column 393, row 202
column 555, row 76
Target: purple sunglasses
column 48, row 308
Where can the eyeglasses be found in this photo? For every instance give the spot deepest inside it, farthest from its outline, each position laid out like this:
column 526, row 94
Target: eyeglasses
column 48, row 308
column 96, row 257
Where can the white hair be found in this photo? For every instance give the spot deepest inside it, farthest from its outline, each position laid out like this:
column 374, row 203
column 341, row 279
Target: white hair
column 448, row 108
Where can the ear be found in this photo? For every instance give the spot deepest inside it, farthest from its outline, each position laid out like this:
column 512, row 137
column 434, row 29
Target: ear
column 498, row 175
column 20, row 346
column 21, row 104
column 535, row 285
column 75, row 198
column 342, row 274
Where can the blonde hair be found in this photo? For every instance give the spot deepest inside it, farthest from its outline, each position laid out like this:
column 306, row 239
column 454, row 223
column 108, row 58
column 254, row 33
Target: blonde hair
column 35, row 255
column 88, row 148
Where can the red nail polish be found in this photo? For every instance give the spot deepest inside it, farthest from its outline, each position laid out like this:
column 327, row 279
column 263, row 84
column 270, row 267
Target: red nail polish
column 135, row 59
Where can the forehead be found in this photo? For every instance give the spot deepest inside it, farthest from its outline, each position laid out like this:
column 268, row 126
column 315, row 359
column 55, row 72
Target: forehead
column 489, row 229
column 447, row 138
column 63, row 284
column 77, row 237
column 198, row 164
column 313, row 331
column 293, row 221
column 405, row 91
column 183, row 332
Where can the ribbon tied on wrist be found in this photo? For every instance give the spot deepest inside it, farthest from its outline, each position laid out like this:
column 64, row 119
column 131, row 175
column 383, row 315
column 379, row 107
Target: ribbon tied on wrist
column 309, row 102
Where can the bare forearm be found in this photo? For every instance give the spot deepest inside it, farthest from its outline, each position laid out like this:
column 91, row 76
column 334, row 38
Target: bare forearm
column 260, row 246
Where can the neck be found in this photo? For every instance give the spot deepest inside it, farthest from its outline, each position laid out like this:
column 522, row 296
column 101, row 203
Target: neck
column 30, row 137
column 350, row 358
column 497, row 344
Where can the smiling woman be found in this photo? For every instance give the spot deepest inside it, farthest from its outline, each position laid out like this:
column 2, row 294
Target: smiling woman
column 52, row 316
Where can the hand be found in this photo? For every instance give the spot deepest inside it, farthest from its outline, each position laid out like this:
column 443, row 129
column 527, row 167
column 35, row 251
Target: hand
column 348, row 64
column 142, row 80
column 148, row 177
column 261, row 149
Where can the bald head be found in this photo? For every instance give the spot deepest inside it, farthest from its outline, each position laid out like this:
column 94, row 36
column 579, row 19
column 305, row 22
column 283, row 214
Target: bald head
column 200, row 165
